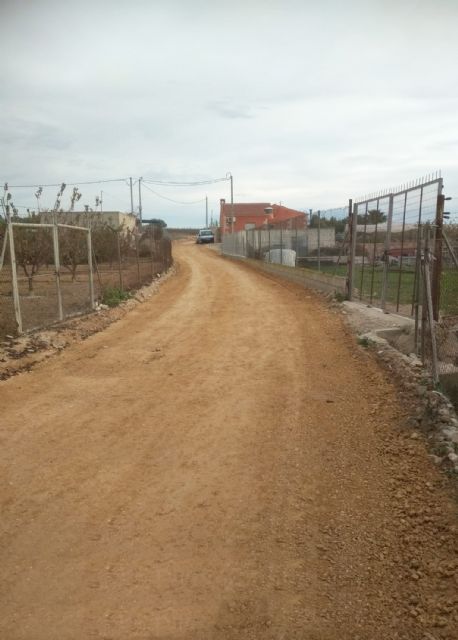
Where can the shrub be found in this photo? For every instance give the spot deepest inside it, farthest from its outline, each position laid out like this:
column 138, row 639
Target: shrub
column 112, row 296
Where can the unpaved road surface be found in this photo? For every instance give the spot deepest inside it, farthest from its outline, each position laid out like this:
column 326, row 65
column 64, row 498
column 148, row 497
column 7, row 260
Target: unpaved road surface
column 223, row 462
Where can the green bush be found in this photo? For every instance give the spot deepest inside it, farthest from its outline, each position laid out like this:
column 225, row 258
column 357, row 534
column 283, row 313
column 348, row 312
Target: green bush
column 112, row 296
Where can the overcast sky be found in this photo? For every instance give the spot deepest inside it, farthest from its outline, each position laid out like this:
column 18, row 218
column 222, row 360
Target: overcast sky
column 306, row 103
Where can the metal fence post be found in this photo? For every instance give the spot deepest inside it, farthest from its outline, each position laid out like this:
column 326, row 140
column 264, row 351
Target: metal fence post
column 90, row 266
column 351, row 263
column 137, row 257
column 417, row 261
column 55, row 243
column 2, row 255
column 118, row 242
column 99, row 278
column 374, row 256
column 361, row 287
column 319, row 241
column 450, row 248
column 16, row 303
column 386, row 265
column 151, row 248
column 437, row 264
column 417, row 278
column 426, row 269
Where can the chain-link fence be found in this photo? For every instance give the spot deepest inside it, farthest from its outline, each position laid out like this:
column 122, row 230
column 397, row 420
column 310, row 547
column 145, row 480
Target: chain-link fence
column 449, row 274
column 52, row 271
column 319, row 246
column 391, row 250
column 387, row 245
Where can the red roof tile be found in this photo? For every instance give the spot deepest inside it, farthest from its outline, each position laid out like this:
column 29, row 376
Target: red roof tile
column 245, row 208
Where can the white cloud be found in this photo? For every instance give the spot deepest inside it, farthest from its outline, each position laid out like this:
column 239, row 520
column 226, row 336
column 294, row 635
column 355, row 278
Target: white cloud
column 305, row 103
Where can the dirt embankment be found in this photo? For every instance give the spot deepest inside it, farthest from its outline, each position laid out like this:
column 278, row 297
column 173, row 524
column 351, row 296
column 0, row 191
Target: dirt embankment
column 223, row 462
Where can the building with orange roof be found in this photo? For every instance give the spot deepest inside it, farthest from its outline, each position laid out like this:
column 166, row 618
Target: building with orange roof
column 255, row 215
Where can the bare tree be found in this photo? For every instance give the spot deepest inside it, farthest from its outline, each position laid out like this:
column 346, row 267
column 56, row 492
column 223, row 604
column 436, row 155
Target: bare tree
column 38, row 193
column 76, row 195
column 73, row 247
column 33, row 248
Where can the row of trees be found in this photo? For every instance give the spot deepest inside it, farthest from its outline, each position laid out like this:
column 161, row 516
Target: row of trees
column 34, row 246
column 374, row 216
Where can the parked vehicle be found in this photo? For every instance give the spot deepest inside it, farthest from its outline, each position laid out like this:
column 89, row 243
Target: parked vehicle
column 205, row 236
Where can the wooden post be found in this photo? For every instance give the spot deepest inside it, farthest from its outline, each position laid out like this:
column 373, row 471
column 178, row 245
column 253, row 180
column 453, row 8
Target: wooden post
column 437, row 264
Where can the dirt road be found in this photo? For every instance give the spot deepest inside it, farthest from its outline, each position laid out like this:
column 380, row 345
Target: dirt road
column 222, row 463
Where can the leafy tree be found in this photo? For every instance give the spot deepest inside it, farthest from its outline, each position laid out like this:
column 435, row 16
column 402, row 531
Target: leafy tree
column 337, row 223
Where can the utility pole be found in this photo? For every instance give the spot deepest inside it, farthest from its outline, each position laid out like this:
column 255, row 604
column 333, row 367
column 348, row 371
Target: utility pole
column 101, row 202
column 131, row 197
column 206, row 212
column 140, row 212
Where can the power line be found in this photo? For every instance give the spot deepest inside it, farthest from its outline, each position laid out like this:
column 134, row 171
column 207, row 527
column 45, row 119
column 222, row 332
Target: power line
column 104, row 181
column 68, row 184
column 24, row 206
column 170, row 199
column 194, row 183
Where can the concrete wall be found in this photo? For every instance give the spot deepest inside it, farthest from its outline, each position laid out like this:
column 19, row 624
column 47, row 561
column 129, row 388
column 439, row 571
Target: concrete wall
column 327, row 238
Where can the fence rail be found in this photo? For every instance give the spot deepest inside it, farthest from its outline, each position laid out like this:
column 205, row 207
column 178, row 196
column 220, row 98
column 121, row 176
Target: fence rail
column 52, row 271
